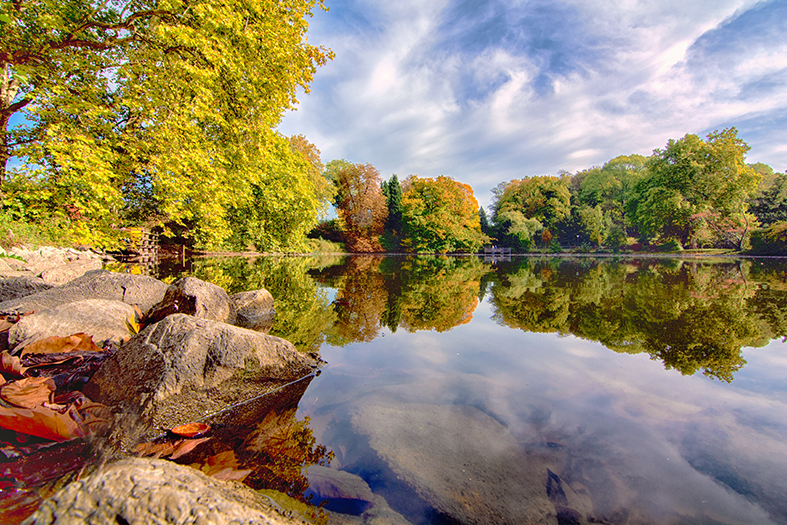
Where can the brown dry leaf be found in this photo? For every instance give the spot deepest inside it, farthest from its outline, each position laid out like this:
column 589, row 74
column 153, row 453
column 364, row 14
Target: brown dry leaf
column 229, row 474
column 42, row 422
column 54, row 344
column 190, row 430
column 154, row 450
column 5, row 324
column 11, row 365
column 185, row 446
column 221, row 461
column 28, row 392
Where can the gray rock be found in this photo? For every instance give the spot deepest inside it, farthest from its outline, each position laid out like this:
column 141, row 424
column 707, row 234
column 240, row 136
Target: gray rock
column 139, row 290
column 255, row 309
column 465, row 464
column 18, row 287
column 138, row 491
column 192, row 296
column 338, row 490
column 183, row 368
column 62, row 274
column 103, row 319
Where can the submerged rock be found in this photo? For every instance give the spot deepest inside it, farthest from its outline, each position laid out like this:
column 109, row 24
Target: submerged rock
column 155, row 491
column 463, row 463
column 338, row 491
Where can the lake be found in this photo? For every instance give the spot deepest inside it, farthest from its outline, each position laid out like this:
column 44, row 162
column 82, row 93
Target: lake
column 541, row 389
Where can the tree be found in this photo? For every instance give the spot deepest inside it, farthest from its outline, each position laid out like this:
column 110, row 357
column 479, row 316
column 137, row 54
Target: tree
column 769, row 203
column 324, row 190
column 440, row 215
column 360, row 203
column 393, row 200
column 694, row 184
column 545, row 200
column 179, row 99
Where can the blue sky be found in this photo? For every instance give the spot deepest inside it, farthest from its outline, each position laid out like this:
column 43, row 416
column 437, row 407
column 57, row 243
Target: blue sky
column 489, row 91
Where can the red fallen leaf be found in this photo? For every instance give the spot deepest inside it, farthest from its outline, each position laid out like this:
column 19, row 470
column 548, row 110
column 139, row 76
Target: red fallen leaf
column 11, row 365
column 54, row 344
column 190, row 430
column 17, row 504
column 185, row 446
column 28, row 392
column 42, row 422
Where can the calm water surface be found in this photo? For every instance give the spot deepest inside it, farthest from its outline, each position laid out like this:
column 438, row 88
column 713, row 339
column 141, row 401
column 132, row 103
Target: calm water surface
column 543, row 390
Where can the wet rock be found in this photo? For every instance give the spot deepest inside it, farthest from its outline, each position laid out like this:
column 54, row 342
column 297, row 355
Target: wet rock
column 462, row 462
column 380, row 513
column 195, row 297
column 183, row 368
column 339, row 491
column 255, row 309
column 18, row 287
column 140, row 290
column 157, row 492
column 105, row 320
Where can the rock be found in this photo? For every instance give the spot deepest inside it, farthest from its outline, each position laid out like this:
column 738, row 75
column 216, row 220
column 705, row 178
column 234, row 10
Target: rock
column 463, row 463
column 105, row 320
column 380, row 513
column 183, row 368
column 339, row 491
column 18, row 287
column 65, row 273
column 255, row 310
column 192, row 296
column 140, row 290
column 157, row 492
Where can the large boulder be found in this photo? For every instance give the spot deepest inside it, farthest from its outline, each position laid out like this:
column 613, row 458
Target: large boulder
column 18, row 287
column 139, row 290
column 255, row 309
column 158, row 492
column 192, row 296
column 183, row 368
column 105, row 320
column 338, row 491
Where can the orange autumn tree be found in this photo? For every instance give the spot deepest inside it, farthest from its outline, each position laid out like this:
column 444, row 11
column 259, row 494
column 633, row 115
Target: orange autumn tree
column 440, row 215
column 360, row 203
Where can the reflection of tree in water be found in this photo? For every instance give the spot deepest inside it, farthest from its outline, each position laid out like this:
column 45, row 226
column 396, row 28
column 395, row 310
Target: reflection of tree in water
column 416, row 293
column 440, row 293
column 360, row 301
column 691, row 316
column 303, row 313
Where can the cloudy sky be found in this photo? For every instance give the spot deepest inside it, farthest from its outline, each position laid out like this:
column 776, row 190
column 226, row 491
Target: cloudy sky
column 486, row 91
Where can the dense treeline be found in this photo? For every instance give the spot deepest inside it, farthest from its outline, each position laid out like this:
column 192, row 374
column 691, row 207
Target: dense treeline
column 694, row 193
column 141, row 114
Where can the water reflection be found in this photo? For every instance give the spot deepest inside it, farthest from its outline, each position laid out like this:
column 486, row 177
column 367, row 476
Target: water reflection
column 459, row 390
column 691, row 315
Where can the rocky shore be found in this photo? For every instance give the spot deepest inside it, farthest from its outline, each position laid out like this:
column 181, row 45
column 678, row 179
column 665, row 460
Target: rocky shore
column 199, row 351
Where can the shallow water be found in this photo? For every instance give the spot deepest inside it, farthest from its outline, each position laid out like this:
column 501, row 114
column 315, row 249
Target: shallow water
column 544, row 390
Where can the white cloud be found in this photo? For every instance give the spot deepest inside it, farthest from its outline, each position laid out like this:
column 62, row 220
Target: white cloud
column 408, row 97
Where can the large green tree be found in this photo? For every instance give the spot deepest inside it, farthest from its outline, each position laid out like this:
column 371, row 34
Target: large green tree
column 176, row 100
column 696, row 191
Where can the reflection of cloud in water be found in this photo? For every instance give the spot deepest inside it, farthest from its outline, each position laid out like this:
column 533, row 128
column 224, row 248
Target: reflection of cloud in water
column 635, row 436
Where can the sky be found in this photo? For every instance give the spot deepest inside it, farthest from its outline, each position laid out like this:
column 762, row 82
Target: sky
column 490, row 91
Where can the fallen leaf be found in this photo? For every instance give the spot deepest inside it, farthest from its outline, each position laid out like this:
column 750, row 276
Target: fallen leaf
column 154, row 450
column 28, row 392
column 11, row 365
column 42, row 422
column 229, row 474
column 185, row 446
column 54, row 344
column 190, row 430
